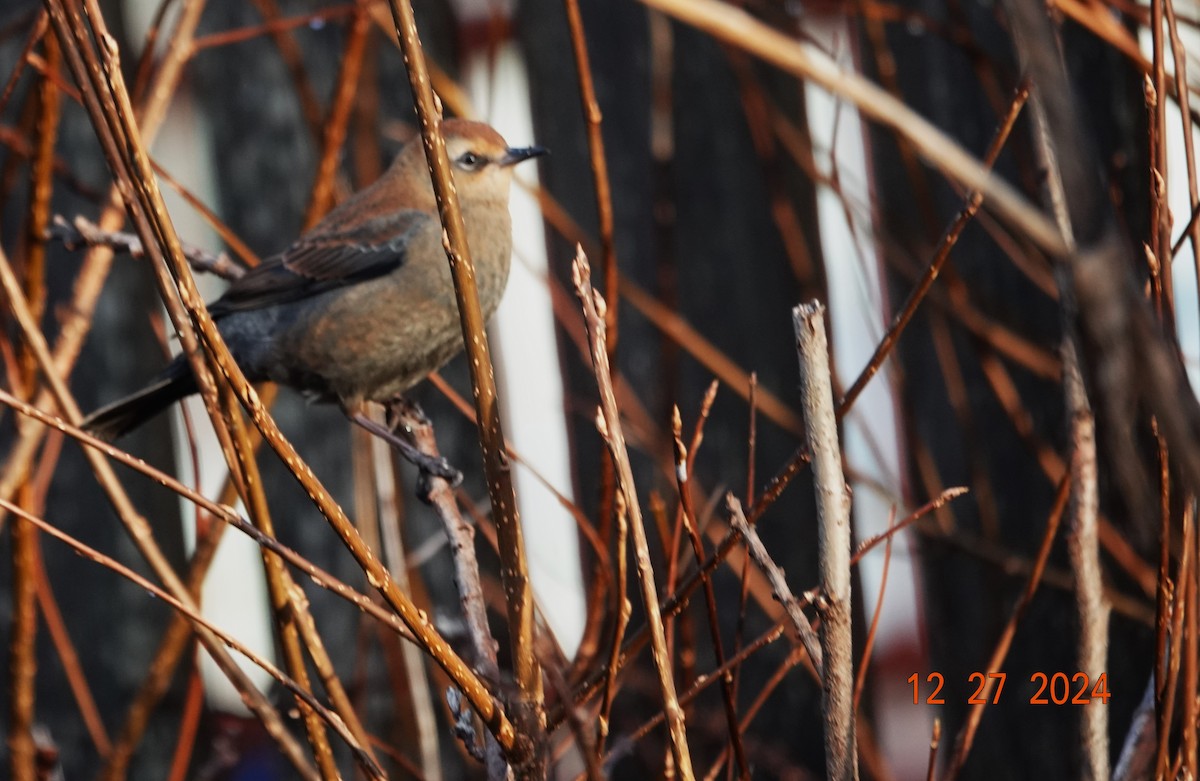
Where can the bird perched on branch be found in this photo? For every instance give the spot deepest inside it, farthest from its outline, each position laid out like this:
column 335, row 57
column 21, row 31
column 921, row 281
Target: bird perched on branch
column 362, row 306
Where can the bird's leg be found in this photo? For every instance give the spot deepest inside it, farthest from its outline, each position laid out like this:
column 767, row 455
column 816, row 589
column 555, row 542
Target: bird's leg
column 429, row 465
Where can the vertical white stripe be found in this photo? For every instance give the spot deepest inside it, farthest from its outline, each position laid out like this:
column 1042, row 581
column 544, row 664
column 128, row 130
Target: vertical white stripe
column 870, row 433
column 527, row 362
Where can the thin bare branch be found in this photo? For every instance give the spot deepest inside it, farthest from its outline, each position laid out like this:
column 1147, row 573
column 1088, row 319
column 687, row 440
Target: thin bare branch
column 192, row 613
column 966, row 736
column 609, row 422
column 514, row 567
column 779, row 586
column 833, row 539
column 137, row 526
column 82, row 232
column 735, row 26
column 683, row 470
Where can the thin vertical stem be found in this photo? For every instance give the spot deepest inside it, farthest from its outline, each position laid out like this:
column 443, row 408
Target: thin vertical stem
column 1162, row 600
column 624, row 609
column 403, row 416
column 25, row 544
column 1084, row 548
column 1175, row 633
column 1083, row 542
column 608, row 254
column 514, row 570
column 1160, row 217
column 1190, row 660
column 592, row 117
column 189, row 725
column 833, row 541
column 682, row 473
column 333, row 133
column 609, row 420
column 388, row 510
column 279, row 586
column 22, row 674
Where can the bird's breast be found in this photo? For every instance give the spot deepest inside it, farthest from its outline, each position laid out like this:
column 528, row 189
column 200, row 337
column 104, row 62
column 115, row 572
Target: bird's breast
column 379, row 337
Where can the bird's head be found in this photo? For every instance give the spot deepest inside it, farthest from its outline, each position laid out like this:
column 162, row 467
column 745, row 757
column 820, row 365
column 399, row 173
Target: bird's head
column 479, row 157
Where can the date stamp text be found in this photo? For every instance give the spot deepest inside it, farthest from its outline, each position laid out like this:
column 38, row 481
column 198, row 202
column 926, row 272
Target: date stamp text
column 987, row 688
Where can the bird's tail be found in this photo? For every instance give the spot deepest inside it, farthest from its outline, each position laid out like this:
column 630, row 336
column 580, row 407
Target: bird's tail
column 124, row 415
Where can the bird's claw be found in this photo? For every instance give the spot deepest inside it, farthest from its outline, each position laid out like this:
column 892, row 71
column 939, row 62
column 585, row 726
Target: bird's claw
column 427, row 465
column 430, row 468
column 435, row 468
column 445, row 470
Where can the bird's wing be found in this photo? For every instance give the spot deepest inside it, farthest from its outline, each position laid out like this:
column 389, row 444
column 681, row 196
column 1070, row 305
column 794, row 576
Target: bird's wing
column 324, row 259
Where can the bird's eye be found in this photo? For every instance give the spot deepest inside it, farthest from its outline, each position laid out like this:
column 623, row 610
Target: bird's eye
column 471, row 161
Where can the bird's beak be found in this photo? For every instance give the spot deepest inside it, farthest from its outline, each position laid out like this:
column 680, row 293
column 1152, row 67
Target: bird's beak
column 516, row 155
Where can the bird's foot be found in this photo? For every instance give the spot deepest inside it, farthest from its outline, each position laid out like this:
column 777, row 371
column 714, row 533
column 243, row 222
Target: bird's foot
column 405, row 416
